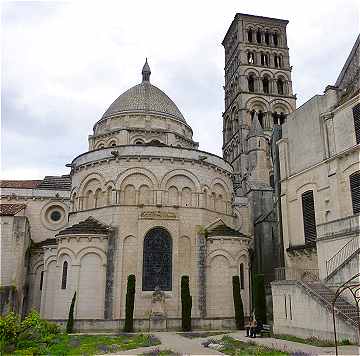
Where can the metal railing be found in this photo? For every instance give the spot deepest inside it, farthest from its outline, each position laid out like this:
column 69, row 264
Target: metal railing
column 331, row 229
column 296, row 274
column 342, row 255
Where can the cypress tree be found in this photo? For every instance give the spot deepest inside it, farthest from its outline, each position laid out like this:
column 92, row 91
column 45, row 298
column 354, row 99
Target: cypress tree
column 129, row 308
column 70, row 321
column 238, row 304
column 259, row 298
column 186, row 304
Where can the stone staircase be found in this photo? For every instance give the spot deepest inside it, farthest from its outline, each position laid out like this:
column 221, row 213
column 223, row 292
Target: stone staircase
column 325, row 296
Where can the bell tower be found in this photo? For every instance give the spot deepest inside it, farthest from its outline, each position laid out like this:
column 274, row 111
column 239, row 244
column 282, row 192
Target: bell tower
column 257, row 80
column 258, row 98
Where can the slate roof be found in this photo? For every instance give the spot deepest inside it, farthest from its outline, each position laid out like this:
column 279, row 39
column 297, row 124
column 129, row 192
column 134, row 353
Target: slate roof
column 47, row 242
column 144, row 98
column 88, row 226
column 55, row 183
column 24, row 184
column 11, row 209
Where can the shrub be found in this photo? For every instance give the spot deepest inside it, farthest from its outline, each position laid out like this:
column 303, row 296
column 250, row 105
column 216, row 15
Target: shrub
column 129, row 308
column 238, row 304
column 259, row 298
column 70, row 321
column 186, row 304
column 9, row 329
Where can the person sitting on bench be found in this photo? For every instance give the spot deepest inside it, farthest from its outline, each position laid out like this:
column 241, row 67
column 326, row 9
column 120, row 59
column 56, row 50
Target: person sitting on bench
column 253, row 327
column 248, row 327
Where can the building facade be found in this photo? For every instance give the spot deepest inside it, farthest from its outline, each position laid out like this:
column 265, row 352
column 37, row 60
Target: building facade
column 319, row 159
column 143, row 201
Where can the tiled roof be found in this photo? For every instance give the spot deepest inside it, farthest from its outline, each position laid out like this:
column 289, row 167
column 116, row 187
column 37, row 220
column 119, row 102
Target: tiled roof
column 88, row 226
column 47, row 242
column 49, row 182
column 55, row 183
column 25, row 184
column 146, row 98
column 223, row 230
column 11, row 209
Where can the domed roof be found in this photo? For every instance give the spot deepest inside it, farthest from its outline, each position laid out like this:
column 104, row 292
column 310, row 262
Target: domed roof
column 146, row 98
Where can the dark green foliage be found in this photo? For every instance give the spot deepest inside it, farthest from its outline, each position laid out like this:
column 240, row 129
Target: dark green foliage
column 130, row 297
column 186, row 304
column 238, row 304
column 259, row 298
column 70, row 322
column 32, row 332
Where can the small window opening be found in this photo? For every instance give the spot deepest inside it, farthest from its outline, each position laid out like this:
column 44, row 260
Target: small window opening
column 275, row 38
column 251, row 58
column 64, row 275
column 258, row 36
column 261, row 118
column 272, row 183
column 264, row 59
column 267, row 38
column 280, row 86
column 282, row 118
column 265, row 83
column 251, row 83
column 250, row 36
column 41, row 279
column 242, row 286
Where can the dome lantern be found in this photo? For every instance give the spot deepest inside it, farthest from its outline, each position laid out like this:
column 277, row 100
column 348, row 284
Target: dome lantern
column 146, row 72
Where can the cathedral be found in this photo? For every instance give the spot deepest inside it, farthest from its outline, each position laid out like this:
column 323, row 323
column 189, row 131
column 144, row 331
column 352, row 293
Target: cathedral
column 145, row 201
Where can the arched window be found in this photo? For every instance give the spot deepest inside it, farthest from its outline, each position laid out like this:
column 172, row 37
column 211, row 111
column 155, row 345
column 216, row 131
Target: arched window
column 155, row 143
column 139, row 142
column 242, row 284
column 277, row 61
column 280, row 86
column 267, row 38
column 112, row 144
column 282, row 118
column 275, row 39
column 157, row 260
column 261, row 118
column 355, row 192
column 251, row 57
column 64, row 275
column 41, row 279
column 250, row 35
column 258, row 36
column 264, row 59
column 265, row 83
column 308, row 209
column 251, row 83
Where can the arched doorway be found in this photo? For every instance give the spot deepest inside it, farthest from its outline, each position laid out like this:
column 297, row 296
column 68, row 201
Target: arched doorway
column 157, row 260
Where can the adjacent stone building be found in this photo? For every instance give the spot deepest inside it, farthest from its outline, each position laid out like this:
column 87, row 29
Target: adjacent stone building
column 319, row 161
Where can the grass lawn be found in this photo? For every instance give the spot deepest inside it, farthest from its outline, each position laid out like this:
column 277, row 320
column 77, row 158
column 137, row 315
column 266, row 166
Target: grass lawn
column 195, row 334
column 63, row 344
column 230, row 346
column 311, row 341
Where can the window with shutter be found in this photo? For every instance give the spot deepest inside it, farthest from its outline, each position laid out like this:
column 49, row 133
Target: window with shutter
column 356, row 115
column 309, row 217
column 355, row 192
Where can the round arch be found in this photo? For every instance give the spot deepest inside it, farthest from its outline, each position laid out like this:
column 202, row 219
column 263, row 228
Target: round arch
column 157, row 260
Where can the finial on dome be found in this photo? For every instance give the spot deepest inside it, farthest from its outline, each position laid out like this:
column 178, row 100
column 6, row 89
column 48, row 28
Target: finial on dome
column 146, row 72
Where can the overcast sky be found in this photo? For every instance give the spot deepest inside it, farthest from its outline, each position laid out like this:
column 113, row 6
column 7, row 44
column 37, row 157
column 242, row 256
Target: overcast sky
column 64, row 63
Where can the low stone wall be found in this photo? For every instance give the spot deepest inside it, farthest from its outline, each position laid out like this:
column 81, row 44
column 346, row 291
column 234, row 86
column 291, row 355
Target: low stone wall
column 297, row 313
column 100, row 325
